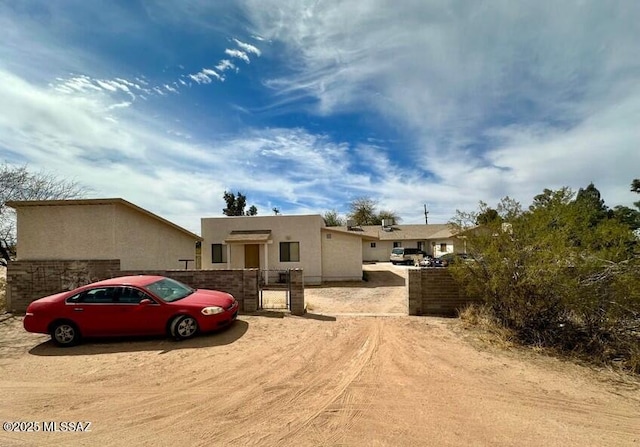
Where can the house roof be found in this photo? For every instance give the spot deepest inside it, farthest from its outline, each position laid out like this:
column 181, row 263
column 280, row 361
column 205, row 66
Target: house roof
column 111, row 201
column 343, row 230
column 401, row 232
column 248, row 236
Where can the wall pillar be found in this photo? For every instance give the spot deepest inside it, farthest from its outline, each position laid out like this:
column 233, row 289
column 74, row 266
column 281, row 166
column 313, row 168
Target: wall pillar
column 296, row 292
column 414, row 291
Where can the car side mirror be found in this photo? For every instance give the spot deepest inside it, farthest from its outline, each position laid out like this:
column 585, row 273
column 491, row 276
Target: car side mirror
column 145, row 302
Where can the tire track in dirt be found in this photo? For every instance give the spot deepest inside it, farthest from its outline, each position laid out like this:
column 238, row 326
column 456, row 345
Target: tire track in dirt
column 338, row 408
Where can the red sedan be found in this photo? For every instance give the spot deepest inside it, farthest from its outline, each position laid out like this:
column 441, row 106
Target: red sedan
column 130, row 305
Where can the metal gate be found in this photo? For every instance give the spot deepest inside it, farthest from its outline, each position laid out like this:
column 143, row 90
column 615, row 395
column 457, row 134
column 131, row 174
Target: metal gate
column 275, row 290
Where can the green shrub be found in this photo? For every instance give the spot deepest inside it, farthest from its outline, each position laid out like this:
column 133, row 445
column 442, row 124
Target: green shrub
column 558, row 277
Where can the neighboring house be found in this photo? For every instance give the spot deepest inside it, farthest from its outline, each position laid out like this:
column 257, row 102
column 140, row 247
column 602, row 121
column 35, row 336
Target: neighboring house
column 378, row 240
column 279, row 242
column 101, row 229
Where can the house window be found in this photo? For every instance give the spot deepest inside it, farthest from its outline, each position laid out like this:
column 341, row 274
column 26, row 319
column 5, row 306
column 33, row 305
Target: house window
column 397, row 244
column 421, row 245
column 218, row 254
column 289, row 251
column 329, row 236
column 443, row 247
column 373, row 245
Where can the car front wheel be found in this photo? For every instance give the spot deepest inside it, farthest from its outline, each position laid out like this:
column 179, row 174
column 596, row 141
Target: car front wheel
column 183, row 327
column 65, row 334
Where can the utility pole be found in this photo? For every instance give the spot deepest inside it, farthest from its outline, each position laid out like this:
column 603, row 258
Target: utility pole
column 426, row 214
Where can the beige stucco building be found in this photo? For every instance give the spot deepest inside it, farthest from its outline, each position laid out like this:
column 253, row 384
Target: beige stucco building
column 101, row 229
column 273, row 243
column 378, row 241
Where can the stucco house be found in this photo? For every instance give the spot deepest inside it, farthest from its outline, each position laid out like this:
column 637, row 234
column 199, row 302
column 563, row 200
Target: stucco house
column 379, row 240
column 282, row 242
column 101, row 229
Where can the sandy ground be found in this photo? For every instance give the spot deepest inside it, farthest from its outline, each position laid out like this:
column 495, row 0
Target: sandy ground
column 314, row 380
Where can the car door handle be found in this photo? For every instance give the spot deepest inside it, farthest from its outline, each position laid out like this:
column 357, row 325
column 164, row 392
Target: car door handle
column 78, row 309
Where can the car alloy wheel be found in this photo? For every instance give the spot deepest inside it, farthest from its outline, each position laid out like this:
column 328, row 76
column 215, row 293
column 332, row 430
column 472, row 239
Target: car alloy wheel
column 184, row 327
column 65, row 334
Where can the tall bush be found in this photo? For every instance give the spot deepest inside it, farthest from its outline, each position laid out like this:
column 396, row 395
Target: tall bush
column 560, row 274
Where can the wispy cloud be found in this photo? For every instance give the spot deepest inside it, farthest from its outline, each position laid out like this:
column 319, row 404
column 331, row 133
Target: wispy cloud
column 138, row 86
column 452, row 76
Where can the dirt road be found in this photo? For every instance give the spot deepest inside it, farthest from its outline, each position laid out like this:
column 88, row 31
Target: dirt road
column 309, row 381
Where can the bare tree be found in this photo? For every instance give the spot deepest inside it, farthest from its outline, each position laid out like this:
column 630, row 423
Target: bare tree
column 363, row 211
column 18, row 183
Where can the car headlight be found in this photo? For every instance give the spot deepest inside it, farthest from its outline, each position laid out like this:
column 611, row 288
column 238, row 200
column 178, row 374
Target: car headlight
column 212, row 310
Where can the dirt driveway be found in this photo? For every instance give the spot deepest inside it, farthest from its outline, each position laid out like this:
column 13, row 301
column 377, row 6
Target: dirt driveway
column 384, row 293
column 319, row 380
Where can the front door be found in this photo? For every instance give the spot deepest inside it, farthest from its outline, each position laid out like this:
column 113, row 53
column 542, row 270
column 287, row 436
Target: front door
column 252, row 256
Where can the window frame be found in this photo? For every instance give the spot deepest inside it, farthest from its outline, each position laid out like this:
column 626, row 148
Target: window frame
column 223, row 253
column 288, row 251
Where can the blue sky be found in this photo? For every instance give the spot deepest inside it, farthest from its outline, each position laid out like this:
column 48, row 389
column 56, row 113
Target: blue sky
column 306, row 105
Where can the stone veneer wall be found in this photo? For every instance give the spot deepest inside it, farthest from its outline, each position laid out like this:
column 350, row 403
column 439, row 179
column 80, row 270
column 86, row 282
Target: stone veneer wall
column 28, row 280
column 296, row 292
column 434, row 292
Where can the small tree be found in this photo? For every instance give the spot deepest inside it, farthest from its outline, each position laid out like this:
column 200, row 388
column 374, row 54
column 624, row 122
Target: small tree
column 18, row 183
column 333, row 219
column 237, row 204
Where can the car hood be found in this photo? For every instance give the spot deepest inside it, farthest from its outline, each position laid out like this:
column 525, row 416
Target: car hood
column 203, row 297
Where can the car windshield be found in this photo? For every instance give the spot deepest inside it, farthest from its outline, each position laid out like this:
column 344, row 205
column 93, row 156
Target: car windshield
column 397, row 251
column 169, row 289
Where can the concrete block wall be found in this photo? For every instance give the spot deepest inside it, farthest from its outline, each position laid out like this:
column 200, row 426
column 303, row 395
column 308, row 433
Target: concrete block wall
column 29, row 280
column 434, row 292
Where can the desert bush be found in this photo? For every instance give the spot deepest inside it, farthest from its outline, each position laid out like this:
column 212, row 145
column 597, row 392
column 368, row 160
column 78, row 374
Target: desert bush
column 559, row 275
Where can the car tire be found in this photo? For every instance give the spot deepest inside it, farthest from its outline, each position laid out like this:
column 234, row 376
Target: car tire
column 183, row 327
column 65, row 334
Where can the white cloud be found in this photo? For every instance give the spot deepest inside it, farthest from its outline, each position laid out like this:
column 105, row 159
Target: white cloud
column 224, row 65
column 200, row 78
column 238, row 54
column 248, row 47
column 210, row 72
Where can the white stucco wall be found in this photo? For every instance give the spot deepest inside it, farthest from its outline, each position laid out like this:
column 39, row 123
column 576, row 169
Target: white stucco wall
column 303, row 229
column 380, row 253
column 341, row 257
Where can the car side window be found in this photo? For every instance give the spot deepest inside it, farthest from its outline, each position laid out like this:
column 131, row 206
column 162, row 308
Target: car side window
column 100, row 295
column 131, row 295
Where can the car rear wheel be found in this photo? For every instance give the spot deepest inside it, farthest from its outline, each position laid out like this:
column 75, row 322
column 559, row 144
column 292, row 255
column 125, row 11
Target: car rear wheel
column 65, row 334
column 183, row 327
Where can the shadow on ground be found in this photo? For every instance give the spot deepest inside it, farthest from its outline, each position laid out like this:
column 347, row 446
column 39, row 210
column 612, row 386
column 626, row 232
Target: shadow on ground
column 130, row 344
column 373, row 279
